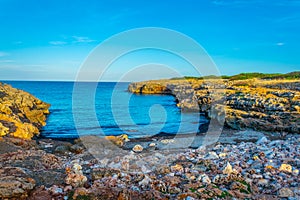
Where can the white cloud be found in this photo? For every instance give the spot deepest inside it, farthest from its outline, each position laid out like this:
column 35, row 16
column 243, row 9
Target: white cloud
column 80, row 39
column 2, row 54
column 71, row 40
column 280, row 44
column 7, row 61
column 57, row 43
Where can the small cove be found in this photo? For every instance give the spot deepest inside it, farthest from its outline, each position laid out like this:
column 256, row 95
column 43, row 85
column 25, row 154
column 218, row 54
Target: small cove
column 117, row 111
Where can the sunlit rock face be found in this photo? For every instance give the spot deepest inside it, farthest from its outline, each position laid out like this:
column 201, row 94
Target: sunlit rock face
column 267, row 105
column 21, row 114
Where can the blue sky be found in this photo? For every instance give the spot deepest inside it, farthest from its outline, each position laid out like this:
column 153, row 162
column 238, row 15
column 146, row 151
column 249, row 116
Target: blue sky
column 49, row 40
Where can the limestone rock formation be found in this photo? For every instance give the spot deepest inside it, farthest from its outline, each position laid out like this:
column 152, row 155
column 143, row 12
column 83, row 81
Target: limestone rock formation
column 21, row 114
column 267, row 105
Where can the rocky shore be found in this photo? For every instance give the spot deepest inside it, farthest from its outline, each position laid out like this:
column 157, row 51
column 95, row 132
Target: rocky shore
column 21, row 114
column 50, row 169
column 264, row 105
column 244, row 164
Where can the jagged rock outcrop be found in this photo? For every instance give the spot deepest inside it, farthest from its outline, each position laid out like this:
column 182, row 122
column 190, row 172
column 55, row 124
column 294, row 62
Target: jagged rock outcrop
column 21, row 114
column 268, row 105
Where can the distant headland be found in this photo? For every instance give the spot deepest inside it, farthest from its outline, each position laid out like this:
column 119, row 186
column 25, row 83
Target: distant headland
column 265, row 102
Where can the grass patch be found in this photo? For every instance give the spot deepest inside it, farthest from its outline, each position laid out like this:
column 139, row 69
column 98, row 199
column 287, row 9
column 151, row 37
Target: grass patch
column 248, row 191
column 225, row 194
column 193, row 190
column 245, row 76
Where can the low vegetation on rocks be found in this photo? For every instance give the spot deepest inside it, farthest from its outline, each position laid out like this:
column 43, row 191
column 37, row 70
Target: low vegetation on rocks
column 267, row 103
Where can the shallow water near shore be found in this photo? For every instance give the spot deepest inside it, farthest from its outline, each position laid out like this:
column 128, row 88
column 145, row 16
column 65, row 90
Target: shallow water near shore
column 135, row 115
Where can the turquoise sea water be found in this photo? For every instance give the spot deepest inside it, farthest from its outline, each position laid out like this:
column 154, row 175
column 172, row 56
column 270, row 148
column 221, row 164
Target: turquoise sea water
column 116, row 111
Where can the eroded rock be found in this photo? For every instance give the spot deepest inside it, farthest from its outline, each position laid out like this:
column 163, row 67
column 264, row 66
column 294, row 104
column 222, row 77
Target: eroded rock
column 268, row 105
column 21, row 114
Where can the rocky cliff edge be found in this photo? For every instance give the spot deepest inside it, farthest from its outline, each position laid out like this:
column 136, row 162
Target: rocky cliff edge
column 21, row 114
column 259, row 104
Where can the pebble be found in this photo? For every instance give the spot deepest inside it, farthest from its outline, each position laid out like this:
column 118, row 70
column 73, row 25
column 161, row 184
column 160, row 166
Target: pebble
column 212, row 155
column 222, row 155
column 204, row 179
column 174, row 190
column 145, row 181
column 263, row 182
column 286, row 168
column 48, row 145
column 76, row 180
column 55, row 190
column 296, row 172
column 285, row 192
column 75, row 175
column 77, row 168
column 257, row 176
column 177, row 168
column 167, row 141
column 227, row 169
column 62, row 149
column 152, row 144
column 135, row 188
column 137, row 148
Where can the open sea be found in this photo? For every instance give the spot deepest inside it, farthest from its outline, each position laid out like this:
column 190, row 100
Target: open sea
column 112, row 111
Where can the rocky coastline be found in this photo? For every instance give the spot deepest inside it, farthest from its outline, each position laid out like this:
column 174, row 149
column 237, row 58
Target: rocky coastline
column 242, row 164
column 21, row 114
column 263, row 105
